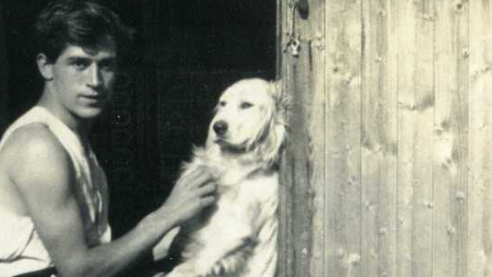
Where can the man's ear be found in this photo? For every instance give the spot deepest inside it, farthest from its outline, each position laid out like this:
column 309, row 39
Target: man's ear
column 45, row 66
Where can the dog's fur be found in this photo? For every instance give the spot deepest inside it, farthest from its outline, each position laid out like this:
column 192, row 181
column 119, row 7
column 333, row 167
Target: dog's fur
column 238, row 236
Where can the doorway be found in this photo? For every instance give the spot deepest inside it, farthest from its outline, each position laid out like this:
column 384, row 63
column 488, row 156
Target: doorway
column 187, row 53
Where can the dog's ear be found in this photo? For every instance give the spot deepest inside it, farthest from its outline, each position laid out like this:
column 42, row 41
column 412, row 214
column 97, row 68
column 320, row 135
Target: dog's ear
column 276, row 89
column 282, row 100
column 277, row 129
column 269, row 150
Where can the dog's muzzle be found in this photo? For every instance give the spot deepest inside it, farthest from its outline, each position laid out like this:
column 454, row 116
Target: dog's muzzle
column 220, row 128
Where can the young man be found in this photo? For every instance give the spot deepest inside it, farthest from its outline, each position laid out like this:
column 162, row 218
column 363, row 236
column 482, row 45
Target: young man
column 53, row 196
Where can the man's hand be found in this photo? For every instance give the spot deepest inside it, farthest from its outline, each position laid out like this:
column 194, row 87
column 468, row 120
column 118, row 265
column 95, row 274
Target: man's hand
column 192, row 193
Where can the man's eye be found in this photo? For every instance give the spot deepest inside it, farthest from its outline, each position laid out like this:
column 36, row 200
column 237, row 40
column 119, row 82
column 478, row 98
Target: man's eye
column 108, row 66
column 80, row 64
column 246, row 105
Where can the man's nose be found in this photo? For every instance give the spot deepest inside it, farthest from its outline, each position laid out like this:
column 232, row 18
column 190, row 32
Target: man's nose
column 95, row 77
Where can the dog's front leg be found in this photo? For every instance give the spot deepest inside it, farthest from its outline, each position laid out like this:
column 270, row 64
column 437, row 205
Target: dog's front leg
column 232, row 261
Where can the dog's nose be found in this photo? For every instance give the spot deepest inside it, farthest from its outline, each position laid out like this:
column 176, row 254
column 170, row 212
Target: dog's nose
column 220, row 127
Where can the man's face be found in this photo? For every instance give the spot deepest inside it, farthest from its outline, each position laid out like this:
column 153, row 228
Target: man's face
column 82, row 79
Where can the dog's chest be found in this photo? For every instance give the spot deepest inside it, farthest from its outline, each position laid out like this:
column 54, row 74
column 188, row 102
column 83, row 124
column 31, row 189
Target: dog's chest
column 232, row 218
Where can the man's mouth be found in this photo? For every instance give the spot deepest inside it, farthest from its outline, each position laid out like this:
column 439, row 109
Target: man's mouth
column 96, row 98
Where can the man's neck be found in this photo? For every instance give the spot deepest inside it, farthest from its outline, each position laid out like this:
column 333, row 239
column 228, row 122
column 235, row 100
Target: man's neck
column 77, row 125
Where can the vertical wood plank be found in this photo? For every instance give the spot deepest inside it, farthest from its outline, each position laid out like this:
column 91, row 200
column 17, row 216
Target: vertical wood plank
column 287, row 265
column 279, row 39
column 422, row 201
column 312, row 34
column 285, row 255
column 407, row 127
column 480, row 188
column 302, row 192
column 408, row 173
column 451, row 139
column 416, row 103
column 463, row 118
column 379, row 138
column 370, row 162
column 343, row 146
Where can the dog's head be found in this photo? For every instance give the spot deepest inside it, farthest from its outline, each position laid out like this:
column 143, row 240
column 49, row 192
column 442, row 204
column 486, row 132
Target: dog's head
column 250, row 120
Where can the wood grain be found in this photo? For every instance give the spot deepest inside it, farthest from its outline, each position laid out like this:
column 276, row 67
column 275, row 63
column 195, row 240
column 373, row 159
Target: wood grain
column 415, row 131
column 379, row 138
column 343, row 142
column 480, row 124
column 406, row 135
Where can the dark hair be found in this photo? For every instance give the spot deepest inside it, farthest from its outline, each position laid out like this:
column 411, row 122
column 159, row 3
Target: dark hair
column 81, row 23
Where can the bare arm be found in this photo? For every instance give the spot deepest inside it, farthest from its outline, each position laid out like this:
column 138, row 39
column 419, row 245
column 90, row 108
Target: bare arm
column 44, row 175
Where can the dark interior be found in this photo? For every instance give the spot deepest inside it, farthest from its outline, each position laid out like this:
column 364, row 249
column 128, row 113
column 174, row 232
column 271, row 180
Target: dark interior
column 187, row 53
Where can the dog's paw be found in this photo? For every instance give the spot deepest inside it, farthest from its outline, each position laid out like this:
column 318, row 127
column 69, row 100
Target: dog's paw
column 224, row 267
column 215, row 270
column 218, row 269
column 231, row 264
column 210, row 272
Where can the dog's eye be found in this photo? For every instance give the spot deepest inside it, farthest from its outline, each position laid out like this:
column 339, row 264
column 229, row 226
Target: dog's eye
column 222, row 103
column 245, row 105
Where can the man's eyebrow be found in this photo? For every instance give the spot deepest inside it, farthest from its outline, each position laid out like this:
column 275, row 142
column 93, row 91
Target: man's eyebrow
column 84, row 58
column 107, row 59
column 77, row 58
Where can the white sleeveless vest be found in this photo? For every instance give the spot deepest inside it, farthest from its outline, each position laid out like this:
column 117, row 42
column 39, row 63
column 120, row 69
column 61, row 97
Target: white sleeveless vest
column 21, row 249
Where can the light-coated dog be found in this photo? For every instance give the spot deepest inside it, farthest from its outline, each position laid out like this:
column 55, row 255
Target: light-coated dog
column 238, row 236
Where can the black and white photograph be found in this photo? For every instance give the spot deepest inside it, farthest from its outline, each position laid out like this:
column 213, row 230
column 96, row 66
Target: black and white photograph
column 246, row 138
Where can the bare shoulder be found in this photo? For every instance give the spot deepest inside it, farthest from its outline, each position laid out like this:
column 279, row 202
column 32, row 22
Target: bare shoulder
column 34, row 140
column 33, row 153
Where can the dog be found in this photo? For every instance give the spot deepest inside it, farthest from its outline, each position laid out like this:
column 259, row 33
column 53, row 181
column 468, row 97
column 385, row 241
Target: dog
column 238, row 236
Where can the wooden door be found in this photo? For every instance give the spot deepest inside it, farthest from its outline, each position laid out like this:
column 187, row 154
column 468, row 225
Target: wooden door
column 388, row 171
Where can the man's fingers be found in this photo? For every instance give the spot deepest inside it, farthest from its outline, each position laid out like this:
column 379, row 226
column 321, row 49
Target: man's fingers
column 196, row 177
column 207, row 201
column 185, row 179
column 201, row 180
column 209, row 188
